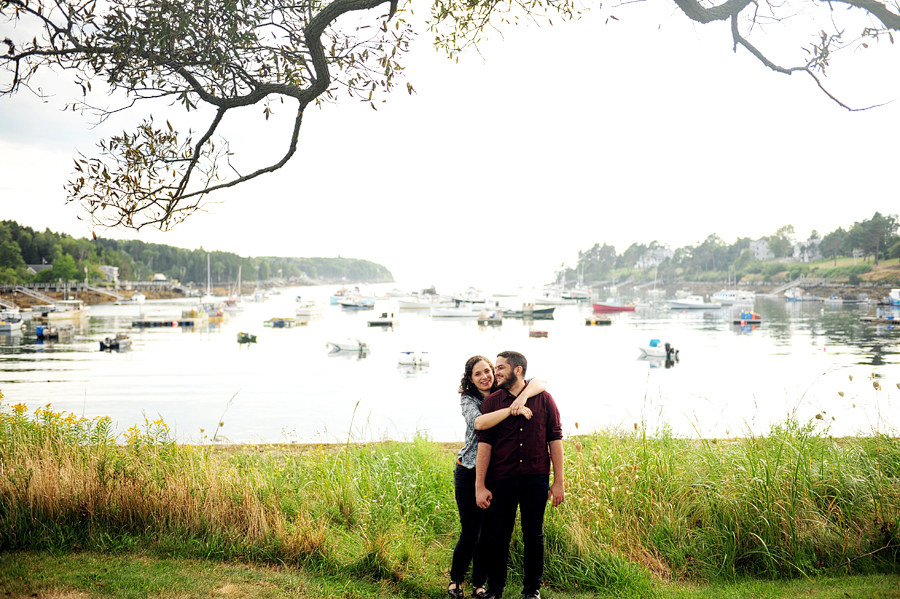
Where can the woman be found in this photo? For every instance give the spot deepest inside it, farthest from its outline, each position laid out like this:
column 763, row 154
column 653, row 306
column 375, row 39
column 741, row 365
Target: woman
column 476, row 384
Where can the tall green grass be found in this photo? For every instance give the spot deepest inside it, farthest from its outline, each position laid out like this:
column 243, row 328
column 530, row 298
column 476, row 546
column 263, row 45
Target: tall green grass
column 639, row 509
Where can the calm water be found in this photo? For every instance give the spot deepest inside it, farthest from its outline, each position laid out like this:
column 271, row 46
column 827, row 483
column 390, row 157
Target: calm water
column 289, row 388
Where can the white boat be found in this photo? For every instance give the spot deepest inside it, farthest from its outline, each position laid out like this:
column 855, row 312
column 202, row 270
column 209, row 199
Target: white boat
column 424, row 303
column 137, row 298
column 554, row 300
column 233, row 305
column 693, row 302
column 659, row 350
column 412, row 357
column 728, row 297
column 458, row 312
column 11, row 322
column 64, row 310
column 309, row 308
column 348, row 345
column 795, row 294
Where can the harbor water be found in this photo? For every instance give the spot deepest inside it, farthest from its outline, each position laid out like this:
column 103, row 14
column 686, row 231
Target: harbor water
column 729, row 380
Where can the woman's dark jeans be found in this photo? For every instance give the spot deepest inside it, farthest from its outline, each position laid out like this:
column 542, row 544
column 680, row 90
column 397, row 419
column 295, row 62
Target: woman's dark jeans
column 528, row 495
column 472, row 546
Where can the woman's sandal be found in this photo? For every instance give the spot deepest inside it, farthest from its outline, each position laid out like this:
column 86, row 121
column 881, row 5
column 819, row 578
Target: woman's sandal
column 455, row 589
column 479, row 592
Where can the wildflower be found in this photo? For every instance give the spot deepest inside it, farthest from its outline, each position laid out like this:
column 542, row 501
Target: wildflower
column 841, row 393
column 877, row 385
column 576, row 424
column 221, row 424
column 819, row 417
column 851, row 377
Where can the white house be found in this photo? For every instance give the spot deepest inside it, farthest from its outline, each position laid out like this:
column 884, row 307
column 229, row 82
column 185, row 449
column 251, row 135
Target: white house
column 159, row 277
column 653, row 258
column 808, row 251
column 36, row 268
column 760, row 249
column 110, row 272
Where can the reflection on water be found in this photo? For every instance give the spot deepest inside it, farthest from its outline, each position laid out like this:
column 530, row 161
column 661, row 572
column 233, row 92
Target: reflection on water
column 290, row 388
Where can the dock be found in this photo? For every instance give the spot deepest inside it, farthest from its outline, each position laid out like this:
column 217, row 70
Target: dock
column 874, row 320
column 162, row 321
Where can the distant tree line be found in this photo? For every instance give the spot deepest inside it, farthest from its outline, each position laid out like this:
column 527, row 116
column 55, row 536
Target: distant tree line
column 873, row 239
column 136, row 260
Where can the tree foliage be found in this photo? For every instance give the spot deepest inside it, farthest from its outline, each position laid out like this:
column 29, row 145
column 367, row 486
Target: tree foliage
column 137, row 260
column 227, row 55
column 221, row 54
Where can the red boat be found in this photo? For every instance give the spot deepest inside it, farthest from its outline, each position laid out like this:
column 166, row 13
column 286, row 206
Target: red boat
column 610, row 306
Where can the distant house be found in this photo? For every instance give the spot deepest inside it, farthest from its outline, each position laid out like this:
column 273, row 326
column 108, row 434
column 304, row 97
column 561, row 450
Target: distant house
column 653, row 258
column 36, row 268
column 111, row 273
column 808, row 251
column 760, row 249
column 159, row 277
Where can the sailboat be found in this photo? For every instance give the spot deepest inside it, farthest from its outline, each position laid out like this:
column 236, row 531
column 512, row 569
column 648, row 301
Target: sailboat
column 208, row 297
column 235, row 303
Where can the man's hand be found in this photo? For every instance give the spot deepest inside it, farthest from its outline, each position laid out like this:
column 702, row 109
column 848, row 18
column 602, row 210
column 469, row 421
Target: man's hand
column 557, row 492
column 483, row 498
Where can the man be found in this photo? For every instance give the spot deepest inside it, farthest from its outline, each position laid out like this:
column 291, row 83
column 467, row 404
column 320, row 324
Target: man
column 512, row 471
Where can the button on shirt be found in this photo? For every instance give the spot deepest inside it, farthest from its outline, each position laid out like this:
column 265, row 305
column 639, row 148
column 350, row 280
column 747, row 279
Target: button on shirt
column 519, row 445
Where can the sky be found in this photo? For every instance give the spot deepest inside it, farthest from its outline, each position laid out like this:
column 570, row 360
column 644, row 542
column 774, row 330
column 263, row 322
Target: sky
column 501, row 167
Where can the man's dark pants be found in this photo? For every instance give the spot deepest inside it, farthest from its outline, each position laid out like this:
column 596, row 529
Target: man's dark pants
column 528, row 494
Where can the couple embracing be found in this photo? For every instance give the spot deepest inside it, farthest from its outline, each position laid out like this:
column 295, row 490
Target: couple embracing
column 513, row 436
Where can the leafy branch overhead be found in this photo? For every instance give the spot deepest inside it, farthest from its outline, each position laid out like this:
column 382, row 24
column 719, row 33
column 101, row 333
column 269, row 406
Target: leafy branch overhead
column 223, row 54
column 851, row 25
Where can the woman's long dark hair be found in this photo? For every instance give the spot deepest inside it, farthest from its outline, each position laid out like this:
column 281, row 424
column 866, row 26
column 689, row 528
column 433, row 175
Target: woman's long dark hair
column 466, row 386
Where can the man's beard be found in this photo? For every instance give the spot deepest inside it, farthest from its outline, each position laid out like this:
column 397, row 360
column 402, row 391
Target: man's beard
column 508, row 382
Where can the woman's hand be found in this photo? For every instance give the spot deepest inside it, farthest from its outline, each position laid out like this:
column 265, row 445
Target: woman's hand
column 516, row 407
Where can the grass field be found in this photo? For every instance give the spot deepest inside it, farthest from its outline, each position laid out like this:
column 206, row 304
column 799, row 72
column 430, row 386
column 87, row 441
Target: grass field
column 644, row 516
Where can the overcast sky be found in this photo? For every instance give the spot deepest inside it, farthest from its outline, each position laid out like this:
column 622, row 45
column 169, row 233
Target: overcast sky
column 503, row 166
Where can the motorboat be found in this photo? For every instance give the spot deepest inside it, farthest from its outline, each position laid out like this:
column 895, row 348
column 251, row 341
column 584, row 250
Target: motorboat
column 537, row 333
column 233, row 305
column 424, row 303
column 11, row 322
column 64, row 310
column 728, row 297
column 413, row 357
column 554, row 300
column 243, row 338
column 456, row 312
column 794, row 294
column 693, row 302
column 348, row 345
column 356, row 302
column 529, row 311
column 655, row 349
column 309, row 308
column 611, row 305
column 136, row 298
column 118, row 343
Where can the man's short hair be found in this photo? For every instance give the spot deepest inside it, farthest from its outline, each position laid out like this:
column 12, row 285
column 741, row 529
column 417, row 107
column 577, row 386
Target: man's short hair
column 515, row 359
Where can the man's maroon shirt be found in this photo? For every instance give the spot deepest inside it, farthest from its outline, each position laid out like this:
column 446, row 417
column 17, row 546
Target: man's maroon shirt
column 518, row 445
